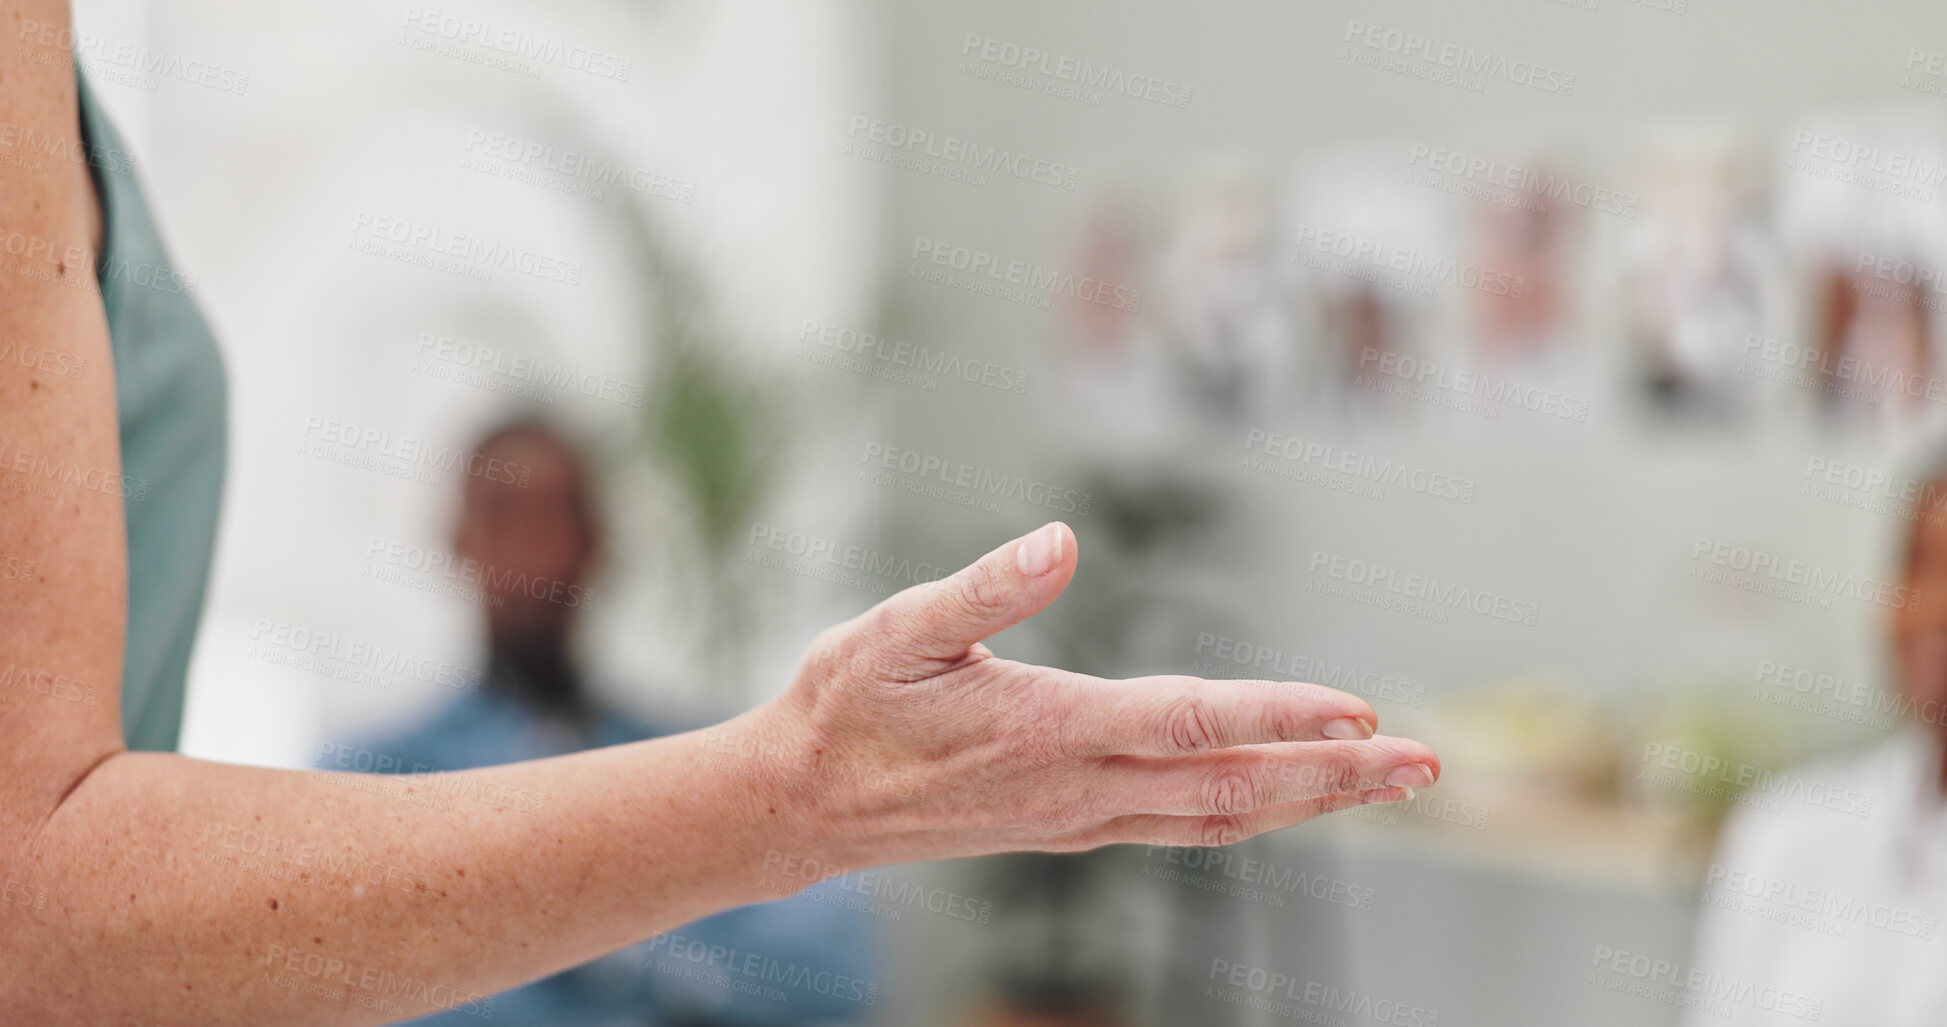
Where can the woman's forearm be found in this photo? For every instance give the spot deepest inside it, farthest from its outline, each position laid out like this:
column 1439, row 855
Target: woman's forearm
column 169, row 890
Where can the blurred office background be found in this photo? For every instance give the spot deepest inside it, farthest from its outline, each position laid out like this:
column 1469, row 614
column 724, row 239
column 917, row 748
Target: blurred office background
column 1591, row 310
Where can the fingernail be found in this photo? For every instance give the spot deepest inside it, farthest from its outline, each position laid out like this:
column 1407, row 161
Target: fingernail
column 1388, row 795
column 1412, row 775
column 1346, row 729
column 1040, row 552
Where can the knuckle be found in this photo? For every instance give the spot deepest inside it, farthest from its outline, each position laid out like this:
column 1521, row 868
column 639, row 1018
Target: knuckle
column 885, row 620
column 1232, row 789
column 981, row 590
column 1325, row 771
column 874, row 649
column 1221, row 830
column 1340, row 771
column 829, row 653
column 1189, row 724
column 1284, row 717
column 890, row 625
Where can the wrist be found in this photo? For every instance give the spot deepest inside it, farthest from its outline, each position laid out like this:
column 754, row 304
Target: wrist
column 796, row 821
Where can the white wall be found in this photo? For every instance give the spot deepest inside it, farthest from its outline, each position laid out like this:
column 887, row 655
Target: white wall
column 259, row 190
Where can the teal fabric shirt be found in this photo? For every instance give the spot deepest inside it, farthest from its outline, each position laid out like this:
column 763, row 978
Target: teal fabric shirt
column 170, row 396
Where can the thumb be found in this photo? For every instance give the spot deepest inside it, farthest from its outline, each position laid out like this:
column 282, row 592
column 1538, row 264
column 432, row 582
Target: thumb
column 932, row 626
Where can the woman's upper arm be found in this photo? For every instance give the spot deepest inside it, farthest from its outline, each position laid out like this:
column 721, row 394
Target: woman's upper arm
column 63, row 561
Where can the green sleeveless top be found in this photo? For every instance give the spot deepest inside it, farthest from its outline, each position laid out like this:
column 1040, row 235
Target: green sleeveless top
column 170, row 396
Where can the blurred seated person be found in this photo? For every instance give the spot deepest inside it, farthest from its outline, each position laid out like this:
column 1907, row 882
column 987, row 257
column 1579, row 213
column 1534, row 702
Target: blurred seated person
column 803, row 960
column 1834, row 901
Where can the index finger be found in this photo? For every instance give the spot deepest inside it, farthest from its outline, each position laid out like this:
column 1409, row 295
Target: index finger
column 1176, row 715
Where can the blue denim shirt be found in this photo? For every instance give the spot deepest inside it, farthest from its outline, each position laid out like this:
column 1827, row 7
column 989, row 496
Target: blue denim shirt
column 802, row 960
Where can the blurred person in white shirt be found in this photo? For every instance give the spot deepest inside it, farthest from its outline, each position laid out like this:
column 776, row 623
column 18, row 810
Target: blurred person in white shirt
column 1832, row 912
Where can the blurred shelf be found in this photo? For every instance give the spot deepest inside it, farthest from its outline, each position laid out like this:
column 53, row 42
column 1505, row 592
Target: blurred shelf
column 1573, row 839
